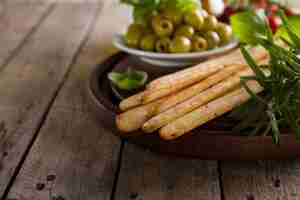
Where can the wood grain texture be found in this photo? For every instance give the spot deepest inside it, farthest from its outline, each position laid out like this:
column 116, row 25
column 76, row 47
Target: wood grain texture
column 17, row 22
column 146, row 175
column 261, row 180
column 73, row 147
column 114, row 18
column 30, row 81
column 72, row 144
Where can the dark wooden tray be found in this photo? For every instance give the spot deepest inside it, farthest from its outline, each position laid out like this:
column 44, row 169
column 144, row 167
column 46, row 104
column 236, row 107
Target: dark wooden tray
column 214, row 141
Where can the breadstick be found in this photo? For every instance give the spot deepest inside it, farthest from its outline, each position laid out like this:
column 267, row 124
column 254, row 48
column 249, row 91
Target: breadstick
column 200, row 71
column 189, row 92
column 133, row 119
column 208, row 112
column 172, row 83
column 132, row 101
column 193, row 103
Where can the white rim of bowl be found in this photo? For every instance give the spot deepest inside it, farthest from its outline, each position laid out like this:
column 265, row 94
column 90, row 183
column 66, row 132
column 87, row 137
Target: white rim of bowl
column 118, row 42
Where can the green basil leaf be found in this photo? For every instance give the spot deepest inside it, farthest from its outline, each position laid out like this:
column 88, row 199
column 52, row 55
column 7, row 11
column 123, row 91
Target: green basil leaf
column 248, row 26
column 140, row 14
column 181, row 5
column 143, row 11
column 188, row 5
column 141, row 2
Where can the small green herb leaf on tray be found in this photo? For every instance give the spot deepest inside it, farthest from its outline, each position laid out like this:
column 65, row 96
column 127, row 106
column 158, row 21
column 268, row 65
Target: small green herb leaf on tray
column 129, row 80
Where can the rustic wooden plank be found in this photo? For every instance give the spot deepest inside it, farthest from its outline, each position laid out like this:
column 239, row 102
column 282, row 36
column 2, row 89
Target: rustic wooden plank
column 72, row 144
column 31, row 80
column 73, row 147
column 17, row 22
column 262, row 180
column 146, row 175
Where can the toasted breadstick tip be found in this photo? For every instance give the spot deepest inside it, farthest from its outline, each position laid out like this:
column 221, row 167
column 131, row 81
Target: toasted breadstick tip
column 133, row 119
column 132, row 101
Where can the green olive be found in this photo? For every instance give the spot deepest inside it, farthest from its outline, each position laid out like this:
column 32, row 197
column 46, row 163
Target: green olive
column 135, row 28
column 180, row 44
column 204, row 13
column 162, row 27
column 199, row 33
column 185, row 30
column 133, row 35
column 225, row 32
column 163, row 45
column 148, row 42
column 195, row 19
column 175, row 16
column 199, row 44
column 212, row 38
column 210, row 23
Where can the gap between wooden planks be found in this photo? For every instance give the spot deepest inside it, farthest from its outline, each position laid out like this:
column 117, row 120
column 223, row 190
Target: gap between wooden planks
column 31, row 80
column 146, row 175
column 261, row 180
column 71, row 144
column 17, row 22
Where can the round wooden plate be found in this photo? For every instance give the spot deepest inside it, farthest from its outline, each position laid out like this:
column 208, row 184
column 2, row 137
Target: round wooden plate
column 214, row 141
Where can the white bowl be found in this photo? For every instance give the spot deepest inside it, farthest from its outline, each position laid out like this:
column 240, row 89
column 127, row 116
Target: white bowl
column 172, row 60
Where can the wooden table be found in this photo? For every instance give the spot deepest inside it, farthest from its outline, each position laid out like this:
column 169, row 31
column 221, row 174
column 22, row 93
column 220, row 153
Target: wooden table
column 52, row 146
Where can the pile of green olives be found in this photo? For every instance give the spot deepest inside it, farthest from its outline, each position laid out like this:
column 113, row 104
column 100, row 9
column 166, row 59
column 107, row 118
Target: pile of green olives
column 174, row 32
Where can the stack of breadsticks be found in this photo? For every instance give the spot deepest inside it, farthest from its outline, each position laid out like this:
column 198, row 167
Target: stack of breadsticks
column 177, row 103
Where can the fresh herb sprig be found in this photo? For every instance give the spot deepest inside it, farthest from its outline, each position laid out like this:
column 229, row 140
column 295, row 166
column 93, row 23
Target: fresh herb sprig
column 280, row 104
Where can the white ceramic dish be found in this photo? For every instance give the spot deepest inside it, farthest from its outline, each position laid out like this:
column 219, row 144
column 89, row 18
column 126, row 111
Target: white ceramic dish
column 172, row 60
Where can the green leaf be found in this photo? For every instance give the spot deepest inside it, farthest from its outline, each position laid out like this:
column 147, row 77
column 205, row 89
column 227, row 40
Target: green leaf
column 188, row 5
column 293, row 23
column 180, row 5
column 142, row 9
column 248, row 26
column 141, row 2
column 128, row 80
column 141, row 14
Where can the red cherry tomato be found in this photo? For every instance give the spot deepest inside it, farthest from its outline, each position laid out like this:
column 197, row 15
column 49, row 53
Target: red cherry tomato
column 274, row 8
column 274, row 22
